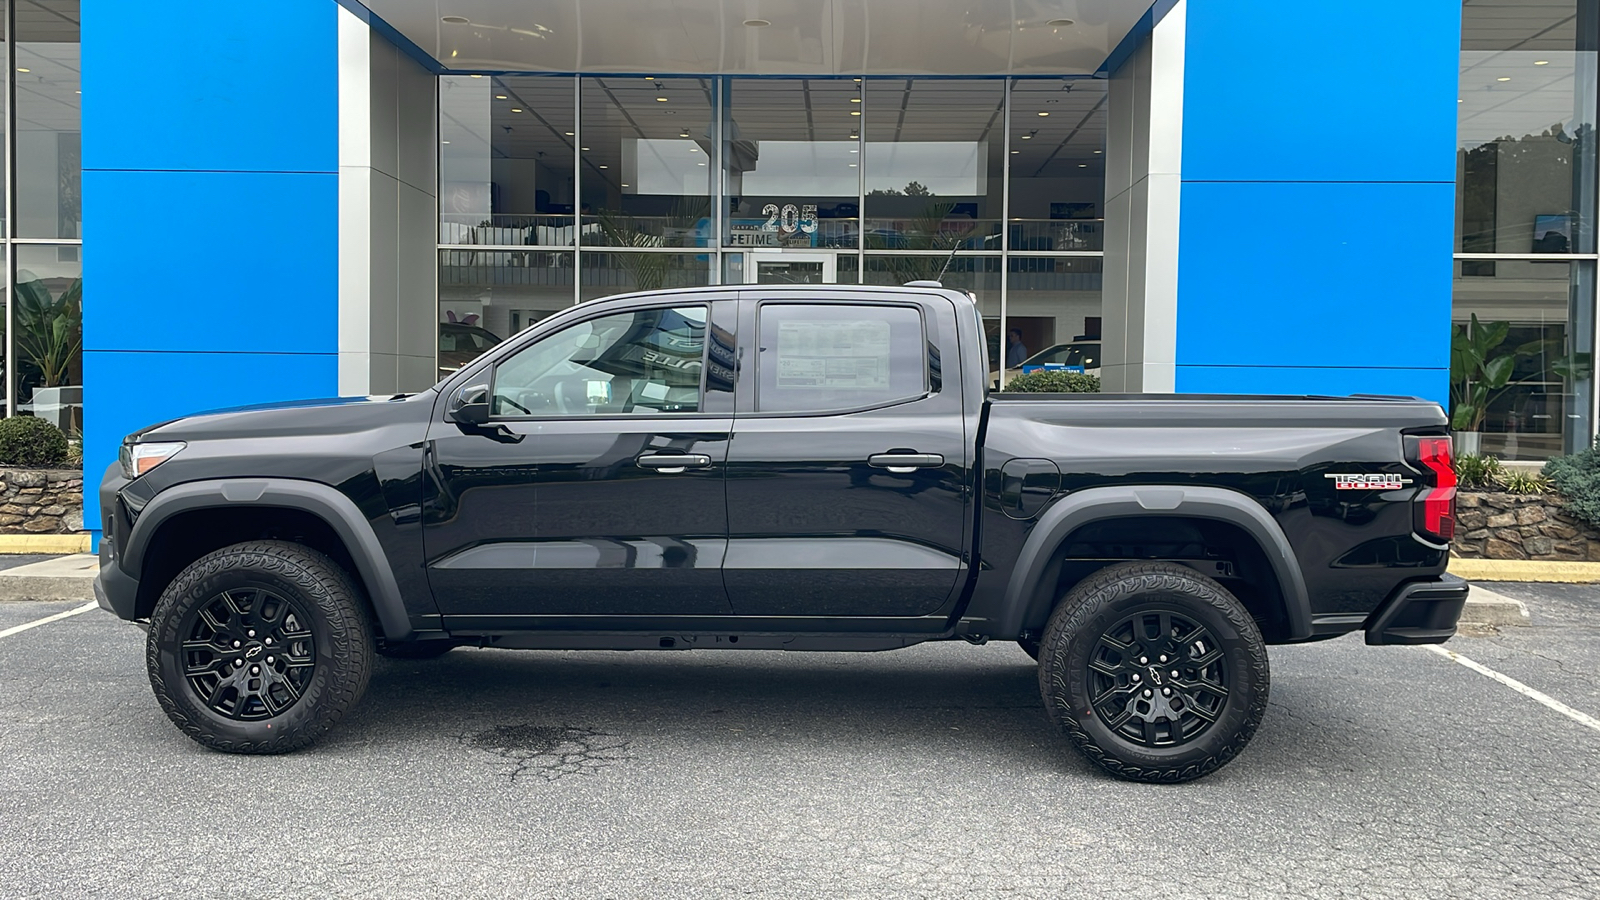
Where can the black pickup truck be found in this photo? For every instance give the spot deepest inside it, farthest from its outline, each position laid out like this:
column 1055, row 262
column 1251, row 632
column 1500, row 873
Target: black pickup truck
column 795, row 468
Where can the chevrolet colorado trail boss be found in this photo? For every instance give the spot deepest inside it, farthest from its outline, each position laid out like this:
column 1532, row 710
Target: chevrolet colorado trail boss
column 778, row 467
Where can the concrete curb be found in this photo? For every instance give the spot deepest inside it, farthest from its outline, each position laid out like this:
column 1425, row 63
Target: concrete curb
column 44, row 543
column 1485, row 608
column 1526, row 570
column 65, row 578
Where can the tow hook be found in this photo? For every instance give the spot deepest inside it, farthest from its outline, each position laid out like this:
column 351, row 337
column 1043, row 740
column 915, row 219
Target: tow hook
column 976, row 640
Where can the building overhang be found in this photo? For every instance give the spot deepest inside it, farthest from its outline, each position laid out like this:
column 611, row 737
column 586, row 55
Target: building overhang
column 763, row 37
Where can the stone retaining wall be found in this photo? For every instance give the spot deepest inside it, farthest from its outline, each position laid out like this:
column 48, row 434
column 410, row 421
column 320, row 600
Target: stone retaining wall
column 1520, row 526
column 41, row 501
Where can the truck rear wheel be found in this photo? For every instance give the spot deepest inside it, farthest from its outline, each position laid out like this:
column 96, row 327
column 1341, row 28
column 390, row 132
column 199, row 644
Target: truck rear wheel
column 260, row 647
column 1154, row 671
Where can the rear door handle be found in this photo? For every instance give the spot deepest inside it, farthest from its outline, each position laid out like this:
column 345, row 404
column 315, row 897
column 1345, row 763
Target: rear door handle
column 673, row 463
column 903, row 463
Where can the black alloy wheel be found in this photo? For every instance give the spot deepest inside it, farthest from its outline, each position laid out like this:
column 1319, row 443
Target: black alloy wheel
column 260, row 647
column 1154, row 672
column 1157, row 678
column 249, row 653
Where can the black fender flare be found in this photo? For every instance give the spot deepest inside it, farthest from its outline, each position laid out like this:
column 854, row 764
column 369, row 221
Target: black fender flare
column 320, row 500
column 1028, row 598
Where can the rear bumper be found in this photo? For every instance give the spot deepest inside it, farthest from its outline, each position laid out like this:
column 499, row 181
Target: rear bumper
column 1422, row 612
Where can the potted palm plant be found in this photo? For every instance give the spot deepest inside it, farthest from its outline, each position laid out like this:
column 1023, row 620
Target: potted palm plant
column 1481, row 370
column 50, row 342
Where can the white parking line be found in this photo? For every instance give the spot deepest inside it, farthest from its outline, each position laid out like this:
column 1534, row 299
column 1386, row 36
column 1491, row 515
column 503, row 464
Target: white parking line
column 1581, row 718
column 48, row 619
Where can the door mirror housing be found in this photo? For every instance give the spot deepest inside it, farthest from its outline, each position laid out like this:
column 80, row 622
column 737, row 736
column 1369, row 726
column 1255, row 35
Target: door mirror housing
column 469, row 405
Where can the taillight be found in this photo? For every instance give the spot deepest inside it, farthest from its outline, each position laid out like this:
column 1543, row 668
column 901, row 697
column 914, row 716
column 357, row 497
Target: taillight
column 1437, row 503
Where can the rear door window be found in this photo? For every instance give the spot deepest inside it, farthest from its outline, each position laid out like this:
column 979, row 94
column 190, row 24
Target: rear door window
column 834, row 357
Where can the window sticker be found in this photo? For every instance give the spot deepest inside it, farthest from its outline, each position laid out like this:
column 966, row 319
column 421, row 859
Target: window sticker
column 839, row 356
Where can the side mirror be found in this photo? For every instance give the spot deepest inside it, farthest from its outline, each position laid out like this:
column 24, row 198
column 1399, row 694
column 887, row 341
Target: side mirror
column 469, row 405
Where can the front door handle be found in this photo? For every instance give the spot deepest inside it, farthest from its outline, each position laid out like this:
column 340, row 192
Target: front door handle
column 673, row 463
column 904, row 463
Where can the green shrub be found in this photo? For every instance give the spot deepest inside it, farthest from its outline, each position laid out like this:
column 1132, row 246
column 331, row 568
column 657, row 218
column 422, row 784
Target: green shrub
column 1054, row 381
column 29, row 441
column 1478, row 472
column 1577, row 479
column 1518, row 481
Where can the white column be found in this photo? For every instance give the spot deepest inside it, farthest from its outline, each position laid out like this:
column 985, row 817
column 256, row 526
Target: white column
column 1144, row 146
column 388, row 281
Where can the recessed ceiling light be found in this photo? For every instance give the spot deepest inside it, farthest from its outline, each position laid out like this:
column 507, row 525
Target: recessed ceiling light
column 855, row 99
column 649, row 78
column 694, row 149
column 477, row 76
column 1083, row 165
column 1027, row 137
column 683, row 134
column 1505, row 78
column 699, row 164
column 1059, row 23
column 1099, row 151
column 627, row 185
column 855, row 112
column 852, row 165
column 1541, row 62
column 1016, row 151
column 661, row 99
column 757, row 23
column 1044, row 114
column 455, row 20
column 583, row 148
column 444, row 142
column 21, row 69
column 516, row 109
column 605, row 167
column 854, row 150
column 500, row 96
column 857, row 80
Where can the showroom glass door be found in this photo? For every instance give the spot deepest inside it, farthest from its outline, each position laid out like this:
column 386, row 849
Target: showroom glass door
column 789, row 267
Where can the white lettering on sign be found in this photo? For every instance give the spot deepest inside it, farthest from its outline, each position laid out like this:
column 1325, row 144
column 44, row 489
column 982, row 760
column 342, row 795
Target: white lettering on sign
column 789, row 218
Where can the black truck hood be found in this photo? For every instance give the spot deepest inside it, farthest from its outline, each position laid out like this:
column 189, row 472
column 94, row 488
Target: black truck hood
column 291, row 417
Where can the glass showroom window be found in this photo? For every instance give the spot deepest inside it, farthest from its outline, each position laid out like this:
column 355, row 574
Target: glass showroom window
column 1052, row 302
column 648, row 178
column 1524, row 283
column 507, row 154
column 46, row 142
column 1058, row 171
column 47, row 344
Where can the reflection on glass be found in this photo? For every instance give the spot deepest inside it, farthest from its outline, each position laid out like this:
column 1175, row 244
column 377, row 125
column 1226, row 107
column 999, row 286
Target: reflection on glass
column 934, row 157
column 1058, row 139
column 1537, row 318
column 47, row 316
column 979, row 274
column 791, row 167
column 648, row 169
column 46, row 148
column 506, row 160
column 1526, row 155
column 606, row 273
column 486, row 296
column 1049, row 301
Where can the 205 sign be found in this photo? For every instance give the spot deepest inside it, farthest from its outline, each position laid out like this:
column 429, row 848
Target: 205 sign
column 789, row 218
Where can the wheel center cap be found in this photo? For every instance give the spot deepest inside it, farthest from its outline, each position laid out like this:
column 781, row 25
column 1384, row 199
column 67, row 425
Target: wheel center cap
column 1155, row 676
column 253, row 651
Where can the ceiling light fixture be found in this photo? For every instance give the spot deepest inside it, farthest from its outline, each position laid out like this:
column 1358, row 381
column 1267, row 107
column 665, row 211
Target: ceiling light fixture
column 855, row 112
column 627, row 185
column 584, row 149
column 605, row 167
column 444, row 142
column 857, row 80
column 854, row 150
column 1505, row 78
column 21, row 69
column 1016, row 152
column 1541, row 62
column 477, row 76
column 1027, row 137
column 661, row 99
column 455, row 20
column 500, row 96
column 649, row 78
column 1099, row 151
column 683, row 134
column 1059, row 23
column 855, row 99
column 567, row 133
column 852, row 165
column 757, row 23
column 516, row 109
column 1083, row 165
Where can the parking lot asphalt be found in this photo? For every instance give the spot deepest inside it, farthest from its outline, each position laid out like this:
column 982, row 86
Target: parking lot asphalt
column 931, row 771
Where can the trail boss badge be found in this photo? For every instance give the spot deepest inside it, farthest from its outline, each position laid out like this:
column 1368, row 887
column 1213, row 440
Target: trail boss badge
column 1368, row 482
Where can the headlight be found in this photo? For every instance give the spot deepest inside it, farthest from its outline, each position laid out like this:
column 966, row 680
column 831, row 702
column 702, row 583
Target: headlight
column 138, row 459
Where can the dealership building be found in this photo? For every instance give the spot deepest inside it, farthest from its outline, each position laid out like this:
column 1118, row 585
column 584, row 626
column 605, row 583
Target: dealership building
column 257, row 202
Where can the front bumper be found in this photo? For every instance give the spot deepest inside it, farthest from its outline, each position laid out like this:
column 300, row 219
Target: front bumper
column 114, row 589
column 1422, row 612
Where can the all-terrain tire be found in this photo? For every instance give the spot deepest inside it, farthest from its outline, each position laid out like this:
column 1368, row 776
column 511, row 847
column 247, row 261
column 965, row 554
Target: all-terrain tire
column 1141, row 592
column 314, row 589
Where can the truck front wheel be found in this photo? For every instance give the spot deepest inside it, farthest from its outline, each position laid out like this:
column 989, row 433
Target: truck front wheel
column 259, row 647
column 1154, row 671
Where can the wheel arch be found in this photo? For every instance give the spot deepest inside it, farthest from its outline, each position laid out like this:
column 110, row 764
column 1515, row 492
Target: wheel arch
column 1030, row 592
column 348, row 538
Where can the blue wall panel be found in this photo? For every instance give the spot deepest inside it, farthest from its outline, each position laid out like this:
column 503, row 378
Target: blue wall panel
column 1315, row 274
column 196, row 84
column 266, row 283
column 1318, row 199
column 1320, row 90
column 210, row 198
